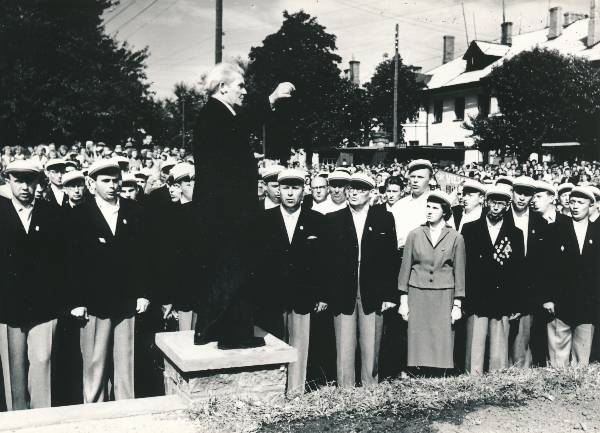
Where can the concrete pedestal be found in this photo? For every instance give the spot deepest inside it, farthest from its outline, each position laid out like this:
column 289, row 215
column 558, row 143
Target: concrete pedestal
column 200, row 372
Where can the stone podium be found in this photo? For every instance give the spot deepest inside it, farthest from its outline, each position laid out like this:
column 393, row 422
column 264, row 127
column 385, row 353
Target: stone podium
column 198, row 373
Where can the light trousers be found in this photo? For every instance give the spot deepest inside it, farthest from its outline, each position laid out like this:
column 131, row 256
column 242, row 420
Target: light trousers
column 186, row 320
column 297, row 328
column 479, row 331
column 29, row 364
column 99, row 338
column 565, row 341
column 4, row 360
column 364, row 330
column 520, row 350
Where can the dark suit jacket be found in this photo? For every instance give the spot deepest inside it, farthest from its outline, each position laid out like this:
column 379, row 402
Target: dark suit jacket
column 51, row 198
column 535, row 273
column 493, row 289
column 32, row 264
column 290, row 276
column 109, row 272
column 575, row 277
column 379, row 265
column 457, row 213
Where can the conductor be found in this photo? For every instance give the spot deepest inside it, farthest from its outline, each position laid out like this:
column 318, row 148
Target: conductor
column 226, row 208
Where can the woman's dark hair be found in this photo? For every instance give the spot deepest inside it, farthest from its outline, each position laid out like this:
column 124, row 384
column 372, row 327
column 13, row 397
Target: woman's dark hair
column 446, row 209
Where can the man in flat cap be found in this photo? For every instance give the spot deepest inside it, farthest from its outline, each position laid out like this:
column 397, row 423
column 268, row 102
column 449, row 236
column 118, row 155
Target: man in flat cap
column 74, row 187
column 564, row 191
column 535, row 235
column 31, row 289
column 543, row 203
column 495, row 254
column 362, row 279
column 572, row 300
column 221, row 151
column 338, row 183
column 108, row 232
column 291, row 272
column 55, row 169
column 272, row 196
column 471, row 206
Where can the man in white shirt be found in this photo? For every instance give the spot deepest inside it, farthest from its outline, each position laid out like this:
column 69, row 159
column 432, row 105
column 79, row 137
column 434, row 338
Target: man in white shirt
column 108, row 231
column 319, row 192
column 409, row 212
column 338, row 183
column 55, row 169
column 393, row 191
column 472, row 201
column 543, row 201
column 273, row 195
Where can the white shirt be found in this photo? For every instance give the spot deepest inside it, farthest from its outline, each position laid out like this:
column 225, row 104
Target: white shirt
column 59, row 194
column 290, row 220
column 328, row 206
column 522, row 222
column 229, row 107
column 580, row 231
column 434, row 233
column 474, row 215
column 494, row 229
column 24, row 213
column 183, row 200
column 270, row 204
column 409, row 213
column 359, row 218
column 110, row 212
column 550, row 215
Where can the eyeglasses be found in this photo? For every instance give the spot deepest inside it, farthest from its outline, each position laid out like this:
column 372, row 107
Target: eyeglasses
column 497, row 203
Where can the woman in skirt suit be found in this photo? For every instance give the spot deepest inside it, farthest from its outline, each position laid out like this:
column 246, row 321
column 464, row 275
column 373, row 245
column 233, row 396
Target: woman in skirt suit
column 432, row 285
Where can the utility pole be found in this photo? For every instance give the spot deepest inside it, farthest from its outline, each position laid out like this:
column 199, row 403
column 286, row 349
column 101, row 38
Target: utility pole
column 462, row 3
column 219, row 33
column 183, row 122
column 396, row 55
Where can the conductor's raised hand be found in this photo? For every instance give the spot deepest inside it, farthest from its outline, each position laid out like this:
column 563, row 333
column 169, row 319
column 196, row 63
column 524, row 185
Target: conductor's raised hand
column 282, row 91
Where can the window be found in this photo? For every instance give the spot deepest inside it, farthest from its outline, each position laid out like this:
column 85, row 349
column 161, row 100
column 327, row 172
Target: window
column 437, row 144
column 413, row 143
column 459, row 108
column 483, row 104
column 459, row 143
column 438, row 108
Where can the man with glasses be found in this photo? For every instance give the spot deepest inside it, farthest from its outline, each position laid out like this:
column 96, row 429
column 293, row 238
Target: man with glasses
column 319, row 194
column 74, row 186
column 495, row 254
column 363, row 277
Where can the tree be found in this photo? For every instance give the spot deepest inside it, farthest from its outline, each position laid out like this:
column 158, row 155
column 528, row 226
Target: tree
column 301, row 52
column 380, row 90
column 543, row 96
column 63, row 79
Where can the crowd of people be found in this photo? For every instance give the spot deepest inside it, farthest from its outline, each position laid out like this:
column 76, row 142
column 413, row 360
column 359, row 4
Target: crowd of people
column 97, row 257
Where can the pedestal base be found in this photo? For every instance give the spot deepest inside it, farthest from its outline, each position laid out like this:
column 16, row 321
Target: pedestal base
column 198, row 373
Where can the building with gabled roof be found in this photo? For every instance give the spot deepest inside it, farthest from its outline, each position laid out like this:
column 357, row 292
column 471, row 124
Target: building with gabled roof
column 454, row 92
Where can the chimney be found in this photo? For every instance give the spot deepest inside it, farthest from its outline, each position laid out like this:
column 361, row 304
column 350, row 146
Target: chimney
column 354, row 72
column 448, row 49
column 506, row 38
column 594, row 25
column 555, row 28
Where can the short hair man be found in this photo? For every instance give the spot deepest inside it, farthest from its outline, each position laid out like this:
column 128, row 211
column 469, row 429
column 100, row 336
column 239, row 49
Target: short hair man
column 291, row 271
column 495, row 254
column 55, row 169
column 393, row 191
column 572, row 298
column 363, row 279
column 470, row 207
column 543, row 202
column 129, row 187
column 31, row 264
column 108, row 231
column 319, row 192
column 74, row 186
column 272, row 197
column 564, row 191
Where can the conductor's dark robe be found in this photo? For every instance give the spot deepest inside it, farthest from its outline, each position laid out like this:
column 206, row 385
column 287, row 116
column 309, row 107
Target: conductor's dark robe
column 226, row 210
column 31, row 294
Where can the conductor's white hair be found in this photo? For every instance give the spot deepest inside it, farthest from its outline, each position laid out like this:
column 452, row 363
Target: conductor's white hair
column 222, row 73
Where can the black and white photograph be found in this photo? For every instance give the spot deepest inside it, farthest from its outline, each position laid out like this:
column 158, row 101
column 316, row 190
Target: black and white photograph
column 299, row 216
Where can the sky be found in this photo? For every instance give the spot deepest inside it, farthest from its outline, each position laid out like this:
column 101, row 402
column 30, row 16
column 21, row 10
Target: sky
column 180, row 33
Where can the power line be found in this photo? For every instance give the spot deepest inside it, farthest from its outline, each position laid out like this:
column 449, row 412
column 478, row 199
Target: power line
column 120, row 12
column 152, row 20
column 136, row 15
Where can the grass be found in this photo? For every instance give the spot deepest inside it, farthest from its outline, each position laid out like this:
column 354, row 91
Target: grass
column 406, row 398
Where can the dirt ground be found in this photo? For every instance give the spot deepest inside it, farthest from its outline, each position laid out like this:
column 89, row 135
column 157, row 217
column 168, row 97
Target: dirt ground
column 542, row 415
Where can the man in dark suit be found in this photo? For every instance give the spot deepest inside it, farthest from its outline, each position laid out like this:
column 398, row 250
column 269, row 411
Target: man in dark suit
column 535, row 234
column 363, row 276
column 226, row 206
column 108, row 232
column 573, row 299
column 31, row 265
column 543, row 203
column 290, row 272
column 471, row 204
column 55, row 169
column 495, row 254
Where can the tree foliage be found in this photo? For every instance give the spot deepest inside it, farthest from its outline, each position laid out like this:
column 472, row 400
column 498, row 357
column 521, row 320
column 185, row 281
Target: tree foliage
column 303, row 53
column 543, row 96
column 381, row 94
column 63, row 79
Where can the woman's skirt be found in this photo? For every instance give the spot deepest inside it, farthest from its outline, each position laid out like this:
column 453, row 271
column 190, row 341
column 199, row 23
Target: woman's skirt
column 430, row 333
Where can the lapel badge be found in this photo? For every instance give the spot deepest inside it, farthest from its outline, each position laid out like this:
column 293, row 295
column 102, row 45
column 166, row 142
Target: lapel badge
column 370, row 229
column 301, row 227
column 562, row 247
column 591, row 242
column 37, row 229
column 102, row 240
column 124, row 221
column 532, row 231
